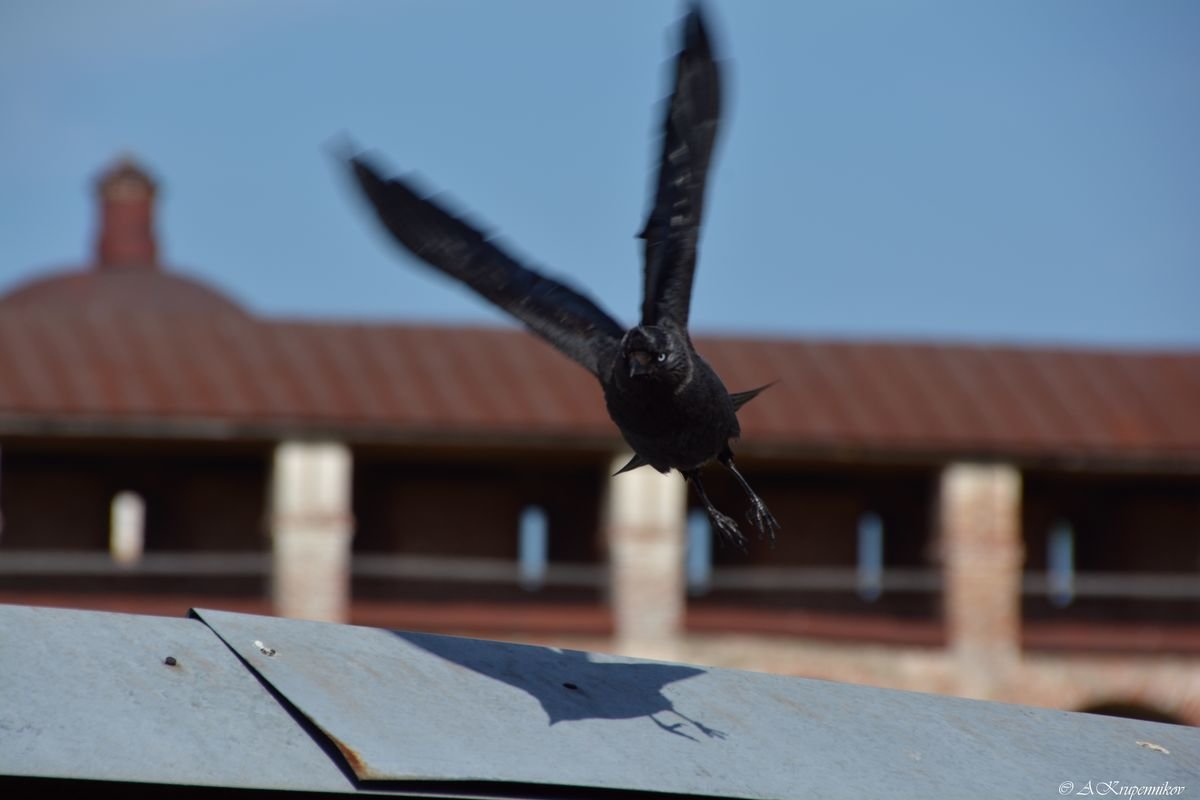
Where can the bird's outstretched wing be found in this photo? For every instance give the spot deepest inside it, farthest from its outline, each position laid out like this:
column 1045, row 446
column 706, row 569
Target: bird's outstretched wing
column 562, row 316
column 689, row 132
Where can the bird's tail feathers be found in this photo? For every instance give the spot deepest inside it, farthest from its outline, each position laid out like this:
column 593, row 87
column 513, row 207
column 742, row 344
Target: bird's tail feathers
column 741, row 398
column 633, row 463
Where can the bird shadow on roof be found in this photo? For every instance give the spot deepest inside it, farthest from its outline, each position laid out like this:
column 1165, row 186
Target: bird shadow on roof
column 570, row 686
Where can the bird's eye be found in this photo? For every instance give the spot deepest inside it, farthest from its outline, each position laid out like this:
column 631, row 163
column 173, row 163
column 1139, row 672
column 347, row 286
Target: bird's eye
column 662, row 357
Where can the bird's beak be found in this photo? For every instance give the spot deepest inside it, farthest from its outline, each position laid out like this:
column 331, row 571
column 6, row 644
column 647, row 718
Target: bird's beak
column 639, row 363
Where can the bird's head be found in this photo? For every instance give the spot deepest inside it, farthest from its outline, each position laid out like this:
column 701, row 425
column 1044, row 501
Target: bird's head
column 653, row 353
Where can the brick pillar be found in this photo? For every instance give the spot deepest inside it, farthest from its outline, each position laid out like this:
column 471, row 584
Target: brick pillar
column 645, row 528
column 311, row 530
column 982, row 550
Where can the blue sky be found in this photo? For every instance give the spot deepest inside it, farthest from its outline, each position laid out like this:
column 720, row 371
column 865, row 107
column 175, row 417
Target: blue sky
column 1012, row 171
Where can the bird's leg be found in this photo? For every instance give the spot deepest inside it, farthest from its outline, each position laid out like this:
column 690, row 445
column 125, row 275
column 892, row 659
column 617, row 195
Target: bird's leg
column 726, row 526
column 671, row 728
column 758, row 513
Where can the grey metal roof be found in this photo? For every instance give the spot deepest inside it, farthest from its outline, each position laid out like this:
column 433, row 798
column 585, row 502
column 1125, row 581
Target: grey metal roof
column 87, row 695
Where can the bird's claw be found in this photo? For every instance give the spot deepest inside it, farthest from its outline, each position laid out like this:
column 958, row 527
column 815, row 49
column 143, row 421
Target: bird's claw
column 728, row 528
column 762, row 519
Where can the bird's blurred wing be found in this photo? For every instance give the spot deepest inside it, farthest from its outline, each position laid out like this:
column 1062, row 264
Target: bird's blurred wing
column 562, row 316
column 689, row 133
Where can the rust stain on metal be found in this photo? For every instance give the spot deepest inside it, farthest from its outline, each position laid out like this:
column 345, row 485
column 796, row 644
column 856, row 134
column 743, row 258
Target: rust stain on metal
column 355, row 761
column 352, row 758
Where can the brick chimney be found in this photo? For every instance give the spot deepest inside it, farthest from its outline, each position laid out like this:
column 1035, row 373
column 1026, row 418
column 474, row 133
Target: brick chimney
column 126, row 237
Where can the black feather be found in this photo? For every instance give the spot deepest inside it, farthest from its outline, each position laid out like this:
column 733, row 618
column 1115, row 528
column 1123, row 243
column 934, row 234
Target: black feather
column 672, row 229
column 671, row 407
column 561, row 315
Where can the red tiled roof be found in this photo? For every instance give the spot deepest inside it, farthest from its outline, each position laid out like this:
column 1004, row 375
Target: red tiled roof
column 103, row 371
column 893, row 397
column 157, row 368
column 118, row 290
column 125, row 347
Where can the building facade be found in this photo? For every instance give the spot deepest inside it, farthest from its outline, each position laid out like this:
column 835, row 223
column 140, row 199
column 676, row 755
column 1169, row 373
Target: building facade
column 1011, row 523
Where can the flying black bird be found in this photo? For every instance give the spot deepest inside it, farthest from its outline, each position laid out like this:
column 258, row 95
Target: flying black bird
column 668, row 402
